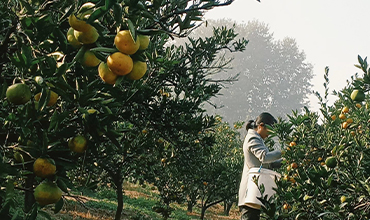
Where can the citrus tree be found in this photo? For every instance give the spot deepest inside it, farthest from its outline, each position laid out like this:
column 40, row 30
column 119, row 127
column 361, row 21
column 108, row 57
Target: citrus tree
column 221, row 171
column 326, row 169
column 81, row 81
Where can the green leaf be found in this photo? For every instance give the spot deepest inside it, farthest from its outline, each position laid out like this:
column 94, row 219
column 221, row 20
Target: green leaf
column 131, row 28
column 44, row 214
column 45, row 140
column 98, row 13
column 44, row 99
column 68, row 13
column 109, row 4
column 79, row 54
column 54, row 122
column 104, row 49
column 117, row 14
column 100, row 56
column 3, row 89
column 26, row 53
column 30, row 10
column 62, row 185
column 33, row 213
column 360, row 60
column 112, row 138
column 58, row 206
column 62, row 69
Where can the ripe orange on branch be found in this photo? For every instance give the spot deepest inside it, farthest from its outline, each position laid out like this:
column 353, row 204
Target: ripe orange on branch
column 342, row 116
column 44, row 167
column 72, row 39
column 120, row 64
column 89, row 59
column 52, row 100
column 345, row 109
column 106, row 74
column 89, row 36
column 77, row 24
column 125, row 42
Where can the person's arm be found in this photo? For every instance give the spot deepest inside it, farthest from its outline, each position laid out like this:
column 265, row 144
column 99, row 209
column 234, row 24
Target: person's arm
column 258, row 148
column 275, row 164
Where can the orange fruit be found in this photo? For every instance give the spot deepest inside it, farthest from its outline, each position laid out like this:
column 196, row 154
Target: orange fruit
column 342, row 116
column 292, row 180
column 138, row 70
column 89, row 59
column 77, row 24
column 288, row 168
column 344, row 125
column 120, row 64
column 89, row 36
column 44, row 167
column 125, row 42
column 292, row 144
column 349, row 120
column 294, row 165
column 72, row 39
column 345, row 109
column 106, row 74
column 52, row 100
column 333, row 117
column 47, row 193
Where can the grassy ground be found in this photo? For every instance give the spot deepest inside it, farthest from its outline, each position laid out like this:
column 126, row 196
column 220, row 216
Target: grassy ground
column 138, row 203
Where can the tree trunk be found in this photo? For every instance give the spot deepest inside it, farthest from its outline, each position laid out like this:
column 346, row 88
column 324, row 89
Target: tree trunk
column 29, row 199
column 190, row 206
column 191, row 202
column 227, row 207
column 119, row 191
column 203, row 213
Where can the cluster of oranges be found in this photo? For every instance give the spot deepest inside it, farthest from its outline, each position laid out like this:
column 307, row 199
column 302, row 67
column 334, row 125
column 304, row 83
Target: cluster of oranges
column 118, row 63
column 346, row 121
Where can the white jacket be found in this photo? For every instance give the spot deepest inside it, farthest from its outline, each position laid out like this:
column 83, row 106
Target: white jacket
column 255, row 153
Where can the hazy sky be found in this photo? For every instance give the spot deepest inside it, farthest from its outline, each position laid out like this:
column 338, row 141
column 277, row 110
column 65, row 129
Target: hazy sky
column 331, row 32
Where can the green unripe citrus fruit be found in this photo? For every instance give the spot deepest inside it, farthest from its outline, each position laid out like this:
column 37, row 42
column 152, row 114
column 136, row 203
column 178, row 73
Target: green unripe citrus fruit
column 78, row 144
column 358, row 95
column 331, row 162
column 47, row 193
column 144, row 41
column 18, row 93
column 138, row 70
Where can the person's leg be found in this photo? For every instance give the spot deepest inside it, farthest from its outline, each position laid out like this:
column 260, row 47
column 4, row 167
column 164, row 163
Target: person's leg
column 248, row 213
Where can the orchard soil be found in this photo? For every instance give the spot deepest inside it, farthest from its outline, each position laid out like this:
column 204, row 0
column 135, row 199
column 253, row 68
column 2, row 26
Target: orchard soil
column 77, row 208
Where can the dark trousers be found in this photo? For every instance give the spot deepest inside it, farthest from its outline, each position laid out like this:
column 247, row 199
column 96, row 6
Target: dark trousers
column 248, row 213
